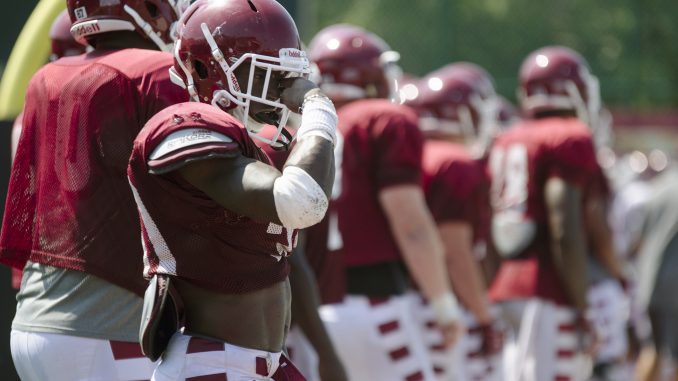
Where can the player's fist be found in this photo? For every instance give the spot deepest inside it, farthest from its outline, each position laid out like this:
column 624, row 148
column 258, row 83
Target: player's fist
column 293, row 91
column 492, row 338
column 451, row 332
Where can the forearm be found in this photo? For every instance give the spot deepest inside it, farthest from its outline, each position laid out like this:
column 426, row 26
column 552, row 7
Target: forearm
column 314, row 151
column 568, row 247
column 418, row 240
column 315, row 156
column 601, row 238
column 464, row 271
column 305, row 303
column 573, row 270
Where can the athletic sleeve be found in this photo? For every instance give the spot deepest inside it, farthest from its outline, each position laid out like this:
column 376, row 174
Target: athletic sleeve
column 451, row 193
column 574, row 160
column 399, row 146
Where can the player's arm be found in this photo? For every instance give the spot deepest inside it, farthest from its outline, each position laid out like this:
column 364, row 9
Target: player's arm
column 464, row 271
column 564, row 208
column 419, row 242
column 295, row 198
column 595, row 214
column 305, row 304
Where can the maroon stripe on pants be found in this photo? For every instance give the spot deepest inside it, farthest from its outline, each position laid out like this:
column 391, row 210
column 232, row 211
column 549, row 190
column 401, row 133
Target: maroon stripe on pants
column 389, row 327
column 567, row 328
column 262, row 366
column 377, row 301
column 564, row 353
column 123, row 350
column 562, row 378
column 209, row 377
column 198, row 345
column 415, row 377
column 399, row 353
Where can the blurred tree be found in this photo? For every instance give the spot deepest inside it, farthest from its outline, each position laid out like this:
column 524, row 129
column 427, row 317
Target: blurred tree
column 629, row 44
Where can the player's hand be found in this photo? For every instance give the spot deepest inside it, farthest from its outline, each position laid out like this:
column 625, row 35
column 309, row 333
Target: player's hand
column 589, row 340
column 294, row 90
column 330, row 368
column 451, row 332
column 492, row 338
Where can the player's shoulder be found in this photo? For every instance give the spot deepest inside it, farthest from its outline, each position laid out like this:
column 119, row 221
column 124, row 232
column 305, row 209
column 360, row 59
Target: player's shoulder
column 546, row 131
column 186, row 131
column 376, row 108
column 437, row 151
column 191, row 115
column 138, row 63
column 190, row 121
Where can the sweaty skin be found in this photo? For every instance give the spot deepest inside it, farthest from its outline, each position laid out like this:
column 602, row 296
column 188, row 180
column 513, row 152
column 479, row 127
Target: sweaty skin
column 243, row 185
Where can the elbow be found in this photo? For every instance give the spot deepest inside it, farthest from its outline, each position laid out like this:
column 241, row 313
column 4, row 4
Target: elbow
column 300, row 202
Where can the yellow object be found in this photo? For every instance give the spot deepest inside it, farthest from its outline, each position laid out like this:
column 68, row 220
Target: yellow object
column 30, row 52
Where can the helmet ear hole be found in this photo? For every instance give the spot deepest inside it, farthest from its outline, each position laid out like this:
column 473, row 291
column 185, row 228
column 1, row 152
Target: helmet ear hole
column 254, row 8
column 152, row 9
column 200, row 69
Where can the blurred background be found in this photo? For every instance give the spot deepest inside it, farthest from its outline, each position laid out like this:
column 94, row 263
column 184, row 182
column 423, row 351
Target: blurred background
column 629, row 44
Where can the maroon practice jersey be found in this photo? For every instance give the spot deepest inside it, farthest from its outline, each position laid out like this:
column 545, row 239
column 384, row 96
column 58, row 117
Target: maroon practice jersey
column 521, row 161
column 69, row 204
column 382, row 147
column 185, row 232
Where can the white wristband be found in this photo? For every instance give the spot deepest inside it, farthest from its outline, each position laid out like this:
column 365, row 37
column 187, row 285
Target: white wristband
column 445, row 308
column 318, row 118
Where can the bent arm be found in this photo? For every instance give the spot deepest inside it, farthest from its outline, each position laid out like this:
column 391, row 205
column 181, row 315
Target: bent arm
column 463, row 269
column 564, row 208
column 297, row 198
column 305, row 304
column 601, row 236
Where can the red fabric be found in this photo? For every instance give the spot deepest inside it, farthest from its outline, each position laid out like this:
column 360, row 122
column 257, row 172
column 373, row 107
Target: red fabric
column 69, row 204
column 209, row 377
column 559, row 147
column 382, row 147
column 16, row 278
column 213, row 247
column 452, row 182
column 123, row 350
column 199, row 345
column 287, row 371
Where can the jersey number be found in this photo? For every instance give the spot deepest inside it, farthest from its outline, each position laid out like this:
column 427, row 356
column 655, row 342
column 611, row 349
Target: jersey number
column 512, row 230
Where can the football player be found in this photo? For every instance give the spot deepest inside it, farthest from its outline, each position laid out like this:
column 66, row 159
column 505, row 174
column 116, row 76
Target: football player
column 308, row 343
column 63, row 45
column 218, row 220
column 552, row 86
column 70, row 219
column 382, row 227
column 540, row 169
column 456, row 104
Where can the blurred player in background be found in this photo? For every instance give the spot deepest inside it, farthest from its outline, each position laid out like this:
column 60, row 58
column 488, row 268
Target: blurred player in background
column 63, row 45
column 382, row 226
column 70, row 220
column 540, row 169
column 456, row 104
column 218, row 220
column 657, row 281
